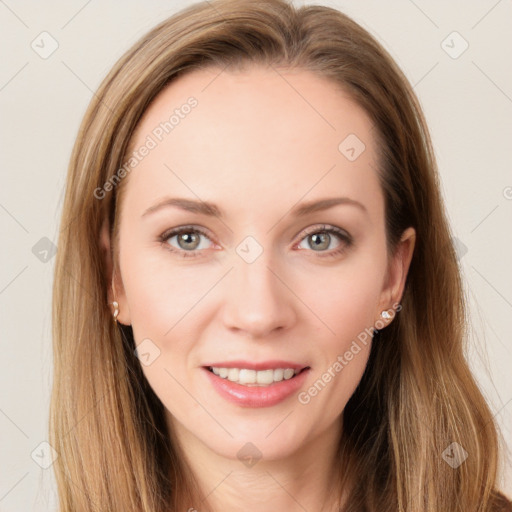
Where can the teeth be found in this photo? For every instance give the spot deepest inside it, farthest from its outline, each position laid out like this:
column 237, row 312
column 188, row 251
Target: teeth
column 233, row 374
column 288, row 373
column 248, row 377
column 278, row 374
column 265, row 377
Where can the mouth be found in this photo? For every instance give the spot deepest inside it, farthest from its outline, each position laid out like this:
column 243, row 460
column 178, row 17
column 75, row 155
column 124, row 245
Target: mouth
column 251, row 384
column 256, row 378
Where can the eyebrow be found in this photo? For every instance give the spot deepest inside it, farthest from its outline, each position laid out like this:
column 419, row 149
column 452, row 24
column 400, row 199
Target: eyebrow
column 212, row 210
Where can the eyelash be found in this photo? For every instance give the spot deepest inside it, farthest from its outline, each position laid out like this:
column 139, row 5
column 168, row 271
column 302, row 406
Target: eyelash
column 345, row 237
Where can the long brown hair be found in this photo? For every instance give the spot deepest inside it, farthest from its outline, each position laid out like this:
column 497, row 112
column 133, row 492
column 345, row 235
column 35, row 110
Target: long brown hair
column 417, row 395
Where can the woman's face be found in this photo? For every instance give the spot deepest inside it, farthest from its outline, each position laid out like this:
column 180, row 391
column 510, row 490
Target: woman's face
column 252, row 288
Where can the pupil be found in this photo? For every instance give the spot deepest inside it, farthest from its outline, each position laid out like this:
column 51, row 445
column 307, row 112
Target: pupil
column 188, row 238
column 317, row 240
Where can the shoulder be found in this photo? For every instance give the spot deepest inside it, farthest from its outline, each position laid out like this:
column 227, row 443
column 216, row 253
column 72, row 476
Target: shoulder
column 500, row 503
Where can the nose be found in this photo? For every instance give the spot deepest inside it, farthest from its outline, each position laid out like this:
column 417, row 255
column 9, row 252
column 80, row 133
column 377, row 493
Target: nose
column 258, row 300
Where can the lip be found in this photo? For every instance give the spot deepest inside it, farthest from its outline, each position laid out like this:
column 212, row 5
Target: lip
column 264, row 365
column 256, row 396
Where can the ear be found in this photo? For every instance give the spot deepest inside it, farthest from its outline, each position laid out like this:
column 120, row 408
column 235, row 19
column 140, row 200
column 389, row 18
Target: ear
column 115, row 288
column 397, row 273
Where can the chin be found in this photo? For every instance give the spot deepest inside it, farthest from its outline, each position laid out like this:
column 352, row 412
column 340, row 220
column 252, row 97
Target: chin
column 255, row 448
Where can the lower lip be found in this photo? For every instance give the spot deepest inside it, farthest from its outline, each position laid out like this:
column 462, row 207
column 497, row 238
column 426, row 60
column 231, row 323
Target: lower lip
column 256, row 396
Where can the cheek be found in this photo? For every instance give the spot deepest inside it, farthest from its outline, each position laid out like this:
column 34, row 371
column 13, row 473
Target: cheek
column 164, row 302
column 344, row 344
column 160, row 291
column 344, row 299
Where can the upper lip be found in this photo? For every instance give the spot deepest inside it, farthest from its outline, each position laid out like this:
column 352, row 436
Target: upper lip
column 263, row 365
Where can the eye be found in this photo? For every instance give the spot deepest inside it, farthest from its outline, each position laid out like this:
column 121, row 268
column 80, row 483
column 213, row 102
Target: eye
column 321, row 237
column 188, row 240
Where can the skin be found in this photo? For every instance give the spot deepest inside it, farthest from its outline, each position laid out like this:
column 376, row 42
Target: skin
column 258, row 143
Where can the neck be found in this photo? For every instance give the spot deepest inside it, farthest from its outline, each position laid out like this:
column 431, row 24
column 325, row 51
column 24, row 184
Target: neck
column 307, row 479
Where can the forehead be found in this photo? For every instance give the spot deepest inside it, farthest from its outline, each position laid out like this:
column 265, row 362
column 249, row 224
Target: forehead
column 259, row 133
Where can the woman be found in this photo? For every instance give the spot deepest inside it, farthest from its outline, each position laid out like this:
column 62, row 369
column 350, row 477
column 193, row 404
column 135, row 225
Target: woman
column 253, row 199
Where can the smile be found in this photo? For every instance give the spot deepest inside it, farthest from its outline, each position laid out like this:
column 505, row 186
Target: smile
column 248, row 377
column 264, row 385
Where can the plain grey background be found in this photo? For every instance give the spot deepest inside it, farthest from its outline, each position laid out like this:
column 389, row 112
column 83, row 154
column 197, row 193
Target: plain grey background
column 54, row 54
